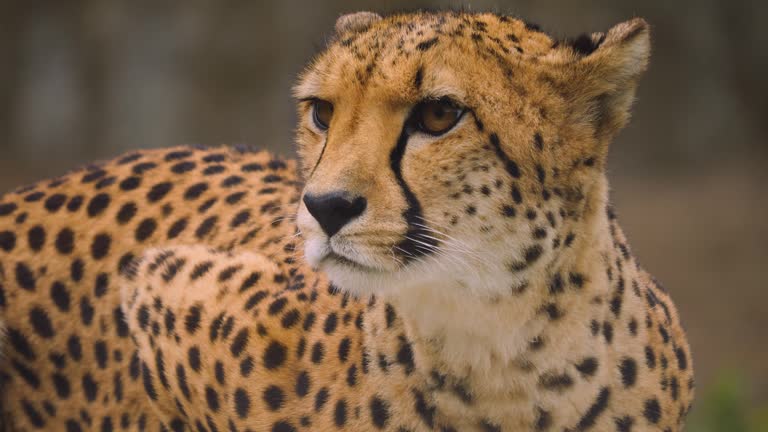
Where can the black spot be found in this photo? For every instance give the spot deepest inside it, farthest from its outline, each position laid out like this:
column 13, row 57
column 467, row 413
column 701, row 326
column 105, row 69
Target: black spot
column 100, row 287
column 240, row 218
column 587, row 367
column 303, row 384
column 340, row 413
column 624, row 424
column 538, row 141
column 76, row 270
column 159, row 191
column 86, row 310
column 427, row 44
column 283, row 426
column 74, row 204
column 652, row 410
column 422, row 408
column 608, row 332
column 555, row 381
column 100, row 352
column 242, row 403
column 235, row 198
column 54, row 202
column 7, row 208
column 276, row 306
column 93, row 175
column 352, row 375
column 177, row 227
column 192, row 320
column 212, row 398
column 194, row 191
column 35, row 418
column 130, row 183
column 145, row 229
column 232, row 181
column 379, row 412
column 246, row 366
column 488, row 426
column 239, row 342
column 90, row 387
column 274, row 397
column 275, row 355
column 60, row 296
column 682, row 359
column 206, row 226
column 24, row 277
column 664, row 334
column 330, row 323
column 61, row 385
column 7, row 240
column 252, row 167
column 318, row 352
column 543, row 419
column 321, row 398
column 594, row 411
column 628, row 370
column 126, row 213
column 40, row 322
column 97, row 204
column 214, row 169
column 556, row 284
column 344, row 347
column 100, row 246
column 74, row 348
column 28, row 375
column 182, row 167
column 576, row 279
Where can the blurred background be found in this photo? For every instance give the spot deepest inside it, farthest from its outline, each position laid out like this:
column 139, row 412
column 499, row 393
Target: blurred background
column 88, row 79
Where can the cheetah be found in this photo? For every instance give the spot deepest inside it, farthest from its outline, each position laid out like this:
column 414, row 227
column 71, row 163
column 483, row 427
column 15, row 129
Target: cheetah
column 443, row 257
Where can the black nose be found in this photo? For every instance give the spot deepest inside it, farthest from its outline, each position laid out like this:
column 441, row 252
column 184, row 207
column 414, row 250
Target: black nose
column 334, row 210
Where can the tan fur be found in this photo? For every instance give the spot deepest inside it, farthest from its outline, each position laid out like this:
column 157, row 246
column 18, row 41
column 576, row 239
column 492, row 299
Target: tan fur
column 520, row 306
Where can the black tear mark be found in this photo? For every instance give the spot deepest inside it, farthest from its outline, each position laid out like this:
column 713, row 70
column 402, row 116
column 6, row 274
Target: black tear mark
column 416, row 242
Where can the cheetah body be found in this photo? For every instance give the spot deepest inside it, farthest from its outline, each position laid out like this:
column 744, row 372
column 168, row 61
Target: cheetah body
column 165, row 290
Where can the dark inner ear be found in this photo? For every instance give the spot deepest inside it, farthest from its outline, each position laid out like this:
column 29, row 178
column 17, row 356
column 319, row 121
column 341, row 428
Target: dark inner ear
column 586, row 44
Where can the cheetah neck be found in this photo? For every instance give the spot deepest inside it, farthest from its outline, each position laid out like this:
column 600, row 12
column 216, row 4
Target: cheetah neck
column 483, row 339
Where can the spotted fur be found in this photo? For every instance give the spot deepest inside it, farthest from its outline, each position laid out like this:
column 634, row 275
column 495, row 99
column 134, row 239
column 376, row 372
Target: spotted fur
column 486, row 286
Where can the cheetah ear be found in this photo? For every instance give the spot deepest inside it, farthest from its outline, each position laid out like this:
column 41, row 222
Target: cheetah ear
column 356, row 22
column 603, row 78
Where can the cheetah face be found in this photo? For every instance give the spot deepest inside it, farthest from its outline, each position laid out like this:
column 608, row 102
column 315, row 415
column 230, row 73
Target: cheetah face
column 455, row 147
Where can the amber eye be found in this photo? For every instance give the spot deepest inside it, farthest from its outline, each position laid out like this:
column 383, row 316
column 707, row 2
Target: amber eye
column 322, row 112
column 437, row 116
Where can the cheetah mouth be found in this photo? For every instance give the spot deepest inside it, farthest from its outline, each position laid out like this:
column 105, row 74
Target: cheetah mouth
column 335, row 258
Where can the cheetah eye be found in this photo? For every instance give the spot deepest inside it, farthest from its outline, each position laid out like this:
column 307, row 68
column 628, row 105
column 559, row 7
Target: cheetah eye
column 322, row 112
column 437, row 116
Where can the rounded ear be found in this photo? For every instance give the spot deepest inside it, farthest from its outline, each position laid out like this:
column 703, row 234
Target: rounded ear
column 356, row 22
column 602, row 78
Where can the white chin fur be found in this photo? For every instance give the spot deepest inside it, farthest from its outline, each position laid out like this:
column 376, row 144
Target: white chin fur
column 315, row 250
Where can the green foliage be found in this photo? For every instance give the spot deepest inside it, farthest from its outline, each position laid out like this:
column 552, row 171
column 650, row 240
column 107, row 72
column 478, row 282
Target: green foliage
column 725, row 407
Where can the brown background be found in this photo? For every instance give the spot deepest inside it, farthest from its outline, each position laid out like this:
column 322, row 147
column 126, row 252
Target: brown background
column 81, row 80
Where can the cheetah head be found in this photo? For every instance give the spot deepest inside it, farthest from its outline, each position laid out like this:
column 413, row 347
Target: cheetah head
column 456, row 147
